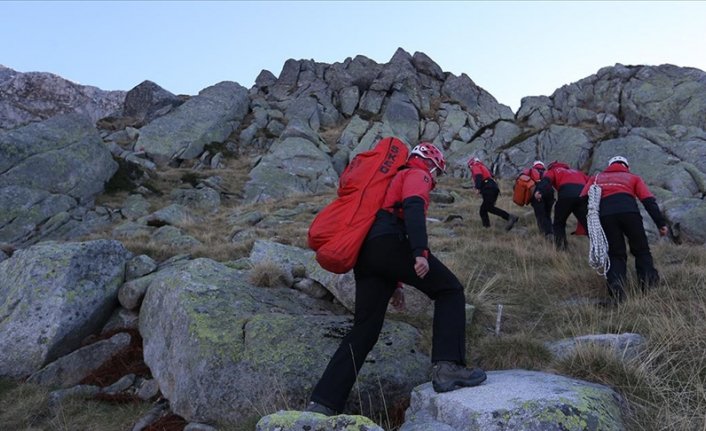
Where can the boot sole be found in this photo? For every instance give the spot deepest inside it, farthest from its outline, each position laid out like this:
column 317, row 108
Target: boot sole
column 457, row 384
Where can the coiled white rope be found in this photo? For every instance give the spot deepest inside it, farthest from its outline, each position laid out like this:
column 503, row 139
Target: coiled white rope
column 598, row 251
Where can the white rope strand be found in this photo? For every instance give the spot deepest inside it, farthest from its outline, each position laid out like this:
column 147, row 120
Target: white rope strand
column 598, row 252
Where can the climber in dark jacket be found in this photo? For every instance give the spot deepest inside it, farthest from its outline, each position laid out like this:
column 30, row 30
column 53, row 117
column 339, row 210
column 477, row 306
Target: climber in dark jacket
column 542, row 207
column 568, row 184
column 620, row 217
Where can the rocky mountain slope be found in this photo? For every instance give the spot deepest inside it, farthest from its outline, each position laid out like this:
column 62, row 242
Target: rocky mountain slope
column 78, row 163
column 35, row 96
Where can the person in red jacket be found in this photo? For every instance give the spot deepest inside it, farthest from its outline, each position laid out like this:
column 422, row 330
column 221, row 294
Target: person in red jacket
column 486, row 186
column 568, row 183
column 542, row 207
column 620, row 217
column 396, row 250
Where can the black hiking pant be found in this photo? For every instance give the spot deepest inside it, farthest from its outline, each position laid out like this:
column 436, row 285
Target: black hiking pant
column 490, row 193
column 616, row 227
column 543, row 214
column 562, row 210
column 383, row 261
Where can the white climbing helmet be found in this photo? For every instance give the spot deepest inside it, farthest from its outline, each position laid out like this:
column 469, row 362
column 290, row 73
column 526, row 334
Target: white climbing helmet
column 619, row 159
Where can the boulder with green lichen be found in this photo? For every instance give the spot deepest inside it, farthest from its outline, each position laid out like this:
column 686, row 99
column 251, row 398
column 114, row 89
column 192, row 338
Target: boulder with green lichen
column 305, row 421
column 223, row 349
column 518, row 400
column 52, row 296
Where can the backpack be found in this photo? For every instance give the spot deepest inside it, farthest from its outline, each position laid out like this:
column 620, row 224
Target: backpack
column 523, row 189
column 338, row 231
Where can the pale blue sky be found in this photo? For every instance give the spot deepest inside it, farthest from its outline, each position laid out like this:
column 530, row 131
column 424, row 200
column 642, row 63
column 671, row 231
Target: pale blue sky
column 511, row 49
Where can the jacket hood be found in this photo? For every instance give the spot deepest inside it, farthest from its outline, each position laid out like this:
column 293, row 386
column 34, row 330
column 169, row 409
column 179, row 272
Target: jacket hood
column 617, row 167
column 554, row 165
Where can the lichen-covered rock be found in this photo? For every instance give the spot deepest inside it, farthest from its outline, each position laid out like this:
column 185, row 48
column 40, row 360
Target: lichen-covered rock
column 139, row 266
column 135, row 206
column 70, row 369
column 174, row 214
column 62, row 155
column 22, row 209
column 306, row 421
column 173, row 238
column 211, row 116
column 201, row 198
column 220, row 347
column 518, row 400
column 294, row 166
column 46, row 170
column 52, row 296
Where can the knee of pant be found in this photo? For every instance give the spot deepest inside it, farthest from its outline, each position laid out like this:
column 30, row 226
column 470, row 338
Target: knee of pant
column 451, row 291
column 618, row 255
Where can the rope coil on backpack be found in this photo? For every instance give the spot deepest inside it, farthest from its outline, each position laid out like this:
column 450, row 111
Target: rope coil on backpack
column 598, row 251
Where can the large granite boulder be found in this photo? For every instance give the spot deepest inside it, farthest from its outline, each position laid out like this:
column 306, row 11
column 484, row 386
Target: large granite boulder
column 517, row 400
column 62, row 155
column 47, row 169
column 52, row 296
column 220, row 347
column 294, row 166
column 209, row 117
column 148, row 101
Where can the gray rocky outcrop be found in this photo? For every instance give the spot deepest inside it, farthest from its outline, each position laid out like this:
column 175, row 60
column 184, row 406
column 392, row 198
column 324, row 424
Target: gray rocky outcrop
column 653, row 115
column 209, row 117
column 240, row 346
column 52, row 296
column 49, row 169
column 516, row 400
column 148, row 101
column 37, row 96
column 372, row 101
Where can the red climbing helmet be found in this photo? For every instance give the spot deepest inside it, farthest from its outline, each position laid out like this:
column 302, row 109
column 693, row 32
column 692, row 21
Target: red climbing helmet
column 427, row 150
column 473, row 160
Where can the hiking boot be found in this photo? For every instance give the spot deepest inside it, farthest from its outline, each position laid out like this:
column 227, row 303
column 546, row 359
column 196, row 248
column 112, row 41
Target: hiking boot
column 511, row 222
column 315, row 407
column 447, row 376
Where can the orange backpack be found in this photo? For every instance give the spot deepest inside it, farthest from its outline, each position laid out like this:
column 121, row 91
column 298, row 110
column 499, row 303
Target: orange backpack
column 523, row 190
column 338, row 231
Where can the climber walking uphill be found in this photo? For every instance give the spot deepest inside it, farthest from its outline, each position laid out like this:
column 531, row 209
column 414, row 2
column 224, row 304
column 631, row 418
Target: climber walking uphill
column 486, row 186
column 568, row 183
column 619, row 217
column 396, row 250
column 542, row 207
